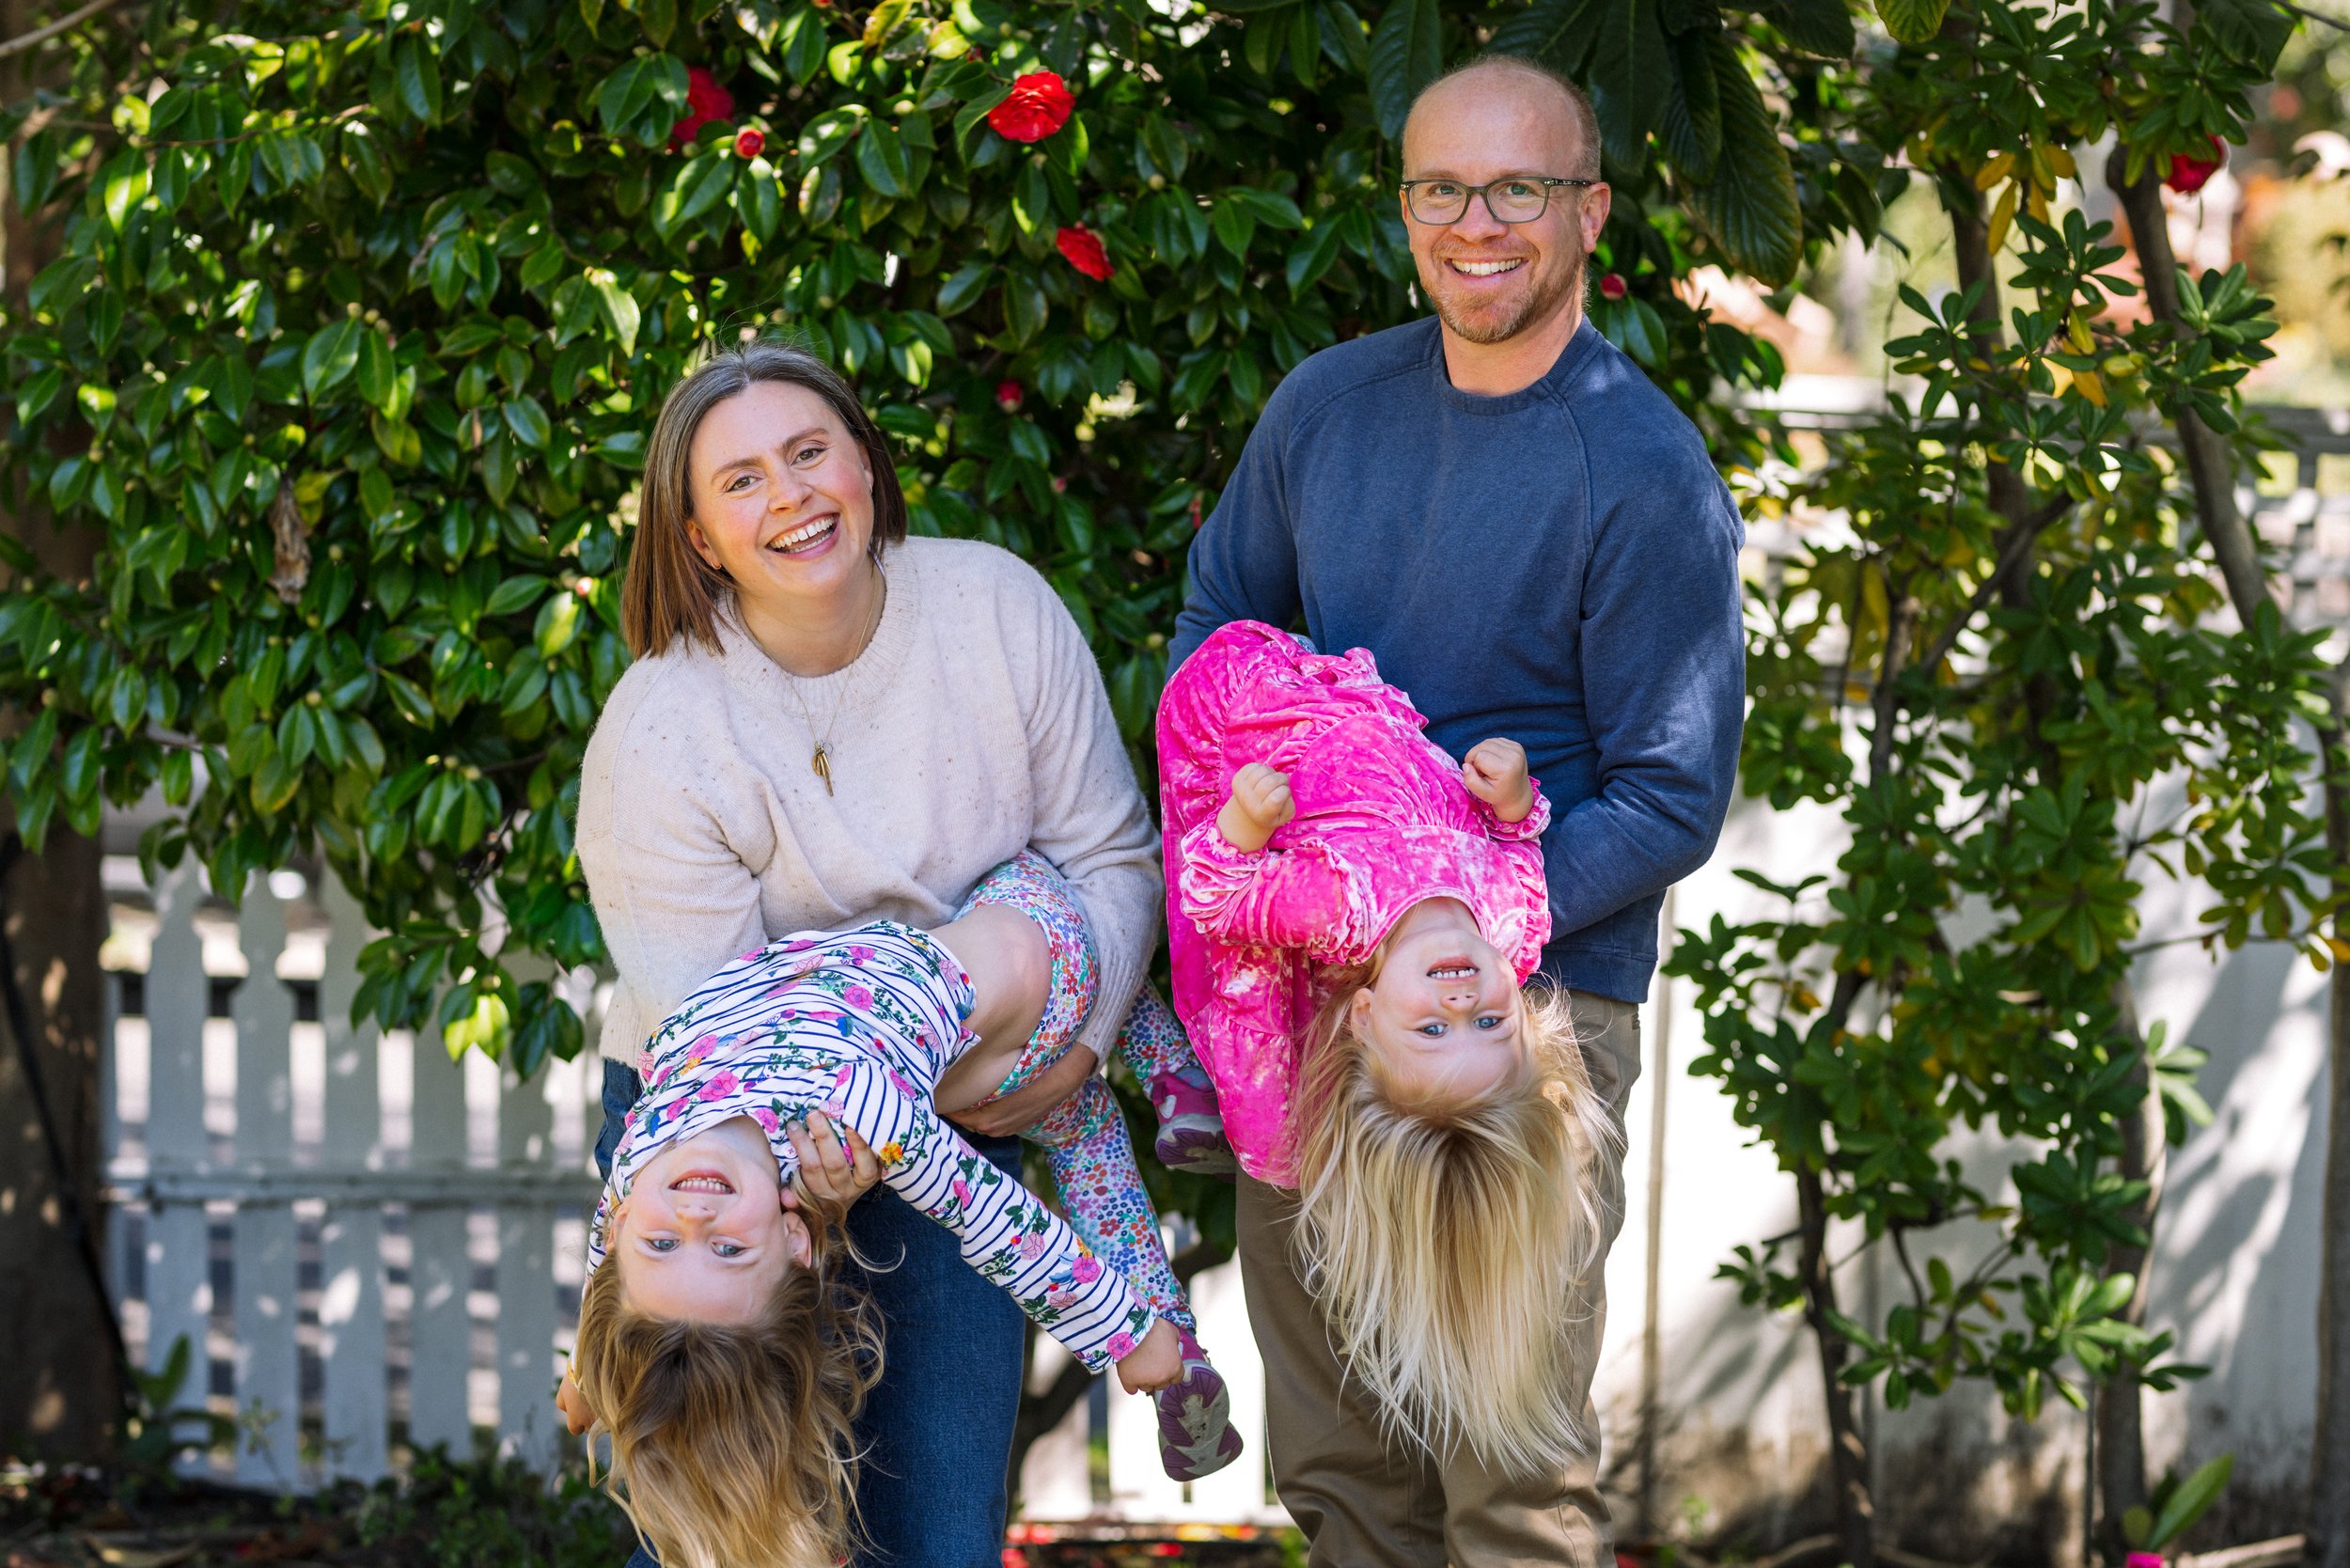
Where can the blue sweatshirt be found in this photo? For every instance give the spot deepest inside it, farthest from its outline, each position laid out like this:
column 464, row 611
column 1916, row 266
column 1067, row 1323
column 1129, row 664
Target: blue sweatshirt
column 1557, row 565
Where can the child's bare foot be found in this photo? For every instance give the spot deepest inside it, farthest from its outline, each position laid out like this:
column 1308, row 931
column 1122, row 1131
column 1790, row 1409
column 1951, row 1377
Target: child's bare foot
column 1494, row 772
column 1261, row 802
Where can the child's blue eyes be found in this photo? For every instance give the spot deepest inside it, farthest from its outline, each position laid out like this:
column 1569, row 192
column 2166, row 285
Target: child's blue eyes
column 669, row 1243
column 727, row 1249
column 661, row 1244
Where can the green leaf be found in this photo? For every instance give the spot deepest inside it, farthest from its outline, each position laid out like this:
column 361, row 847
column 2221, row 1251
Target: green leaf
column 330, row 356
column 1558, row 33
column 1822, row 28
column 618, row 307
column 1406, row 53
column 2193, row 1499
column 880, row 158
column 2253, row 31
column 379, row 377
column 529, row 421
column 963, row 289
column 1692, row 128
column 1750, row 204
column 1912, row 20
column 418, row 71
column 698, row 186
column 1631, row 77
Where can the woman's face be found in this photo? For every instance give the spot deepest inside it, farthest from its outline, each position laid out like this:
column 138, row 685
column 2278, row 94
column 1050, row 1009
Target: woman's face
column 781, row 496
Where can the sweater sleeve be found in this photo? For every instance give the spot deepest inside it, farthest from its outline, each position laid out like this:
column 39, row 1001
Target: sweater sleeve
column 1298, row 897
column 1003, row 1231
column 675, row 899
column 1091, row 821
column 1244, row 559
column 1532, row 825
column 1663, row 690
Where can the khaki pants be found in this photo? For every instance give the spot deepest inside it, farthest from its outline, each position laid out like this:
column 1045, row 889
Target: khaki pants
column 1365, row 1504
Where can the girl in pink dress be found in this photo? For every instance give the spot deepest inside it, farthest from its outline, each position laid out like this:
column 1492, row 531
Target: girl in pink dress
column 1351, row 918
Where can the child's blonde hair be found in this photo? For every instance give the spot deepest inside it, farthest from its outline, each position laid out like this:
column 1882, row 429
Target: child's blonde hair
column 1452, row 1240
column 732, row 1443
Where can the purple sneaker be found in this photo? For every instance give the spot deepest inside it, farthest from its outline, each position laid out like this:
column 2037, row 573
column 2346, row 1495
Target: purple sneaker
column 1191, row 1125
column 1196, row 1433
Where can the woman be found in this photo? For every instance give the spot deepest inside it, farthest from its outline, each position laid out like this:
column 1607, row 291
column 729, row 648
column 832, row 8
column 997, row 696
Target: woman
column 828, row 722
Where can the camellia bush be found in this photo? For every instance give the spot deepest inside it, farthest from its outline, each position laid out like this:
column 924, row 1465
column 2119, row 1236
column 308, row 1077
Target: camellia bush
column 357, row 319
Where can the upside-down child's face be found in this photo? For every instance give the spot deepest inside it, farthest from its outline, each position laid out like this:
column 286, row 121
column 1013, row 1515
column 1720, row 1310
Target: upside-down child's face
column 703, row 1232
column 1444, row 1015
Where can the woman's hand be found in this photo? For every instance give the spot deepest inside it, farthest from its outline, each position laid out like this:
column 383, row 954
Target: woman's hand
column 834, row 1167
column 1494, row 772
column 1154, row 1363
column 573, row 1402
column 1259, row 803
column 1026, row 1105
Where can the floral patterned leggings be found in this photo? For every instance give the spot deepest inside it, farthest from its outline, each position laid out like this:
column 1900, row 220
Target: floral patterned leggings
column 1085, row 1137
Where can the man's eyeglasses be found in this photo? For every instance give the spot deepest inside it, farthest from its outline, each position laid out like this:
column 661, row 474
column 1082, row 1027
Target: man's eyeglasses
column 1518, row 199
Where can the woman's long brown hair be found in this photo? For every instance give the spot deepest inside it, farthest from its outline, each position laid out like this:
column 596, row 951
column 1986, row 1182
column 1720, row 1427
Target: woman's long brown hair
column 670, row 591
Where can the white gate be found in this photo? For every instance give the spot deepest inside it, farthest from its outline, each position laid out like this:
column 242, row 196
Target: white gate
column 371, row 1249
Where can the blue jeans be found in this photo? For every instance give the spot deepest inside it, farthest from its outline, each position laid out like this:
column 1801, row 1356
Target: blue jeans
column 937, row 1429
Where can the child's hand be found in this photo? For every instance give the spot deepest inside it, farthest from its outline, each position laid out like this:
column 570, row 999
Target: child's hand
column 1495, row 774
column 827, row 1170
column 1261, row 802
column 1154, row 1363
column 573, row 1402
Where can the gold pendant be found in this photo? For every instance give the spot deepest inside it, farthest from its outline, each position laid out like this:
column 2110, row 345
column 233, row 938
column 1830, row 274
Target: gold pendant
column 822, row 764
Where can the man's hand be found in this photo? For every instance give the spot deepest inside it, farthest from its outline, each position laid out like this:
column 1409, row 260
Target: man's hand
column 1026, row 1105
column 573, row 1402
column 828, row 1170
column 1154, row 1363
column 1261, row 802
column 1495, row 774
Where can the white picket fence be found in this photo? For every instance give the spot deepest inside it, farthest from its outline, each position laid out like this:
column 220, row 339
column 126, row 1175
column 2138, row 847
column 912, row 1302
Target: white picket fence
column 372, row 1249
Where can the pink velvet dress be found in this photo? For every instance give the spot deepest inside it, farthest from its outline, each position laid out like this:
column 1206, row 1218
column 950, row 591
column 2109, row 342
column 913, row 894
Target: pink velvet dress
column 1382, row 822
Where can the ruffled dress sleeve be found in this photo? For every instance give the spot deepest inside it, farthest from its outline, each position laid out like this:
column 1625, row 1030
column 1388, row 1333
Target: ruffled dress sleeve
column 1305, row 897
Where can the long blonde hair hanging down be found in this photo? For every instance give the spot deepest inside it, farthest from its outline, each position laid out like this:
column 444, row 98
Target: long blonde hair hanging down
column 1453, row 1243
column 733, row 1444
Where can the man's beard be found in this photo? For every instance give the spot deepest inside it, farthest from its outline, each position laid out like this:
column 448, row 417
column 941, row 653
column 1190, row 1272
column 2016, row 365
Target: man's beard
column 1536, row 305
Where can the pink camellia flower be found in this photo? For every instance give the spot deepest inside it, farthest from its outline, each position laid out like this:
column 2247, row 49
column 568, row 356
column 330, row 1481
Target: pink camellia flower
column 746, row 957
column 859, row 997
column 1029, row 1248
column 1612, row 287
column 2189, row 174
column 766, row 1119
column 1085, row 1271
column 963, row 1192
column 835, row 1108
column 749, row 142
column 1008, row 395
column 705, row 101
column 860, row 955
column 1121, row 1346
column 2142, row 1559
column 1038, row 105
column 720, row 1086
column 1084, row 250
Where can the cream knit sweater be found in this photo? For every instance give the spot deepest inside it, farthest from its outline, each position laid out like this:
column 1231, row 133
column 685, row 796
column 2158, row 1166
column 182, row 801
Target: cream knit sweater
column 974, row 725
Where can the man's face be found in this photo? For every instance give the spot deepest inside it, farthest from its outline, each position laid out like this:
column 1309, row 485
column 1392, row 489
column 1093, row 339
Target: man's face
column 1488, row 280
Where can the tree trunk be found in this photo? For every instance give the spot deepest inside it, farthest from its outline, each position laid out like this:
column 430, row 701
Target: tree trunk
column 1848, row 1455
column 2214, row 479
column 60, row 1385
column 2121, row 1442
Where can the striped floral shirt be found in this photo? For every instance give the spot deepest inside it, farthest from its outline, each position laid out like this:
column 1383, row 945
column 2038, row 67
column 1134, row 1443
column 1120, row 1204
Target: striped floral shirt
column 860, row 1025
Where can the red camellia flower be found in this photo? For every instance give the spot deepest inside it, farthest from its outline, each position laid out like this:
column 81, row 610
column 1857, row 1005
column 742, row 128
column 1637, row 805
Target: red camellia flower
column 705, row 101
column 2188, row 174
column 1009, row 394
column 1612, row 287
column 1085, row 252
column 1037, row 106
column 749, row 142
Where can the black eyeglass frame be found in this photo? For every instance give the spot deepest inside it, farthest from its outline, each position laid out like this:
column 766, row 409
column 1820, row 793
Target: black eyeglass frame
column 1475, row 193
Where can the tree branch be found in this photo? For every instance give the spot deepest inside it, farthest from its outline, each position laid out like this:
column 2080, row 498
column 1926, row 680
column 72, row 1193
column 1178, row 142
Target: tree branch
column 39, row 36
column 2013, row 545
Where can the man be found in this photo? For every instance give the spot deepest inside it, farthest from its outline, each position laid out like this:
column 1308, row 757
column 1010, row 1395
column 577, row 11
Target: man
column 1530, row 540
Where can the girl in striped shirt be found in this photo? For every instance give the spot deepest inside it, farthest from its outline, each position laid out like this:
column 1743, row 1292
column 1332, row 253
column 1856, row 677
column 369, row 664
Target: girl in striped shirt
column 718, row 1341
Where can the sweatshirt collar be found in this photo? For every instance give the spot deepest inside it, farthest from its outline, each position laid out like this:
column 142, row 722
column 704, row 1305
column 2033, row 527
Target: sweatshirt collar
column 1551, row 387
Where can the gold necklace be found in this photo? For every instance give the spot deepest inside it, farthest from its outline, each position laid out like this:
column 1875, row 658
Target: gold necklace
column 820, row 762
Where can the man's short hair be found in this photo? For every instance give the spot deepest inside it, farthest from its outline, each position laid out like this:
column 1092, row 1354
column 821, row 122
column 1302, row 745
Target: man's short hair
column 1578, row 102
